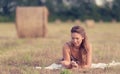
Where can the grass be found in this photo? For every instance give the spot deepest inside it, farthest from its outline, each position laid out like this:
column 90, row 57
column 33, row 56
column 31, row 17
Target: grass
column 20, row 56
column 65, row 72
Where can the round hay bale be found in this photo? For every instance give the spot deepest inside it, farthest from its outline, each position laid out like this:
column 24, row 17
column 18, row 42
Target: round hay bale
column 69, row 21
column 114, row 21
column 78, row 22
column 31, row 22
column 101, row 21
column 89, row 23
column 58, row 21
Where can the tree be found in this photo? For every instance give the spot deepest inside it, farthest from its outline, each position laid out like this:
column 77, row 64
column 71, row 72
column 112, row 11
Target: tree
column 116, row 10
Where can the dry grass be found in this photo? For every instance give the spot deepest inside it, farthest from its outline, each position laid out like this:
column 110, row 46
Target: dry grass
column 20, row 56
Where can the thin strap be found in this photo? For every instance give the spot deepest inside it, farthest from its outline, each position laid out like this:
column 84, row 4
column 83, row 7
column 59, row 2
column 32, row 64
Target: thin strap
column 71, row 56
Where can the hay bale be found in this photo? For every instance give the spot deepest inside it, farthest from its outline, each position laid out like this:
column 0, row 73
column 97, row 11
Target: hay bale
column 78, row 22
column 31, row 21
column 101, row 21
column 58, row 21
column 69, row 21
column 114, row 21
column 89, row 23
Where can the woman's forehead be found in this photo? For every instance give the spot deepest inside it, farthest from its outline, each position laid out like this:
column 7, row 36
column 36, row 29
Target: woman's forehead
column 76, row 34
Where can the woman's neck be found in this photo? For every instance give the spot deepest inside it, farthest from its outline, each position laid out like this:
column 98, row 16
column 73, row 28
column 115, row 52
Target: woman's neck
column 76, row 47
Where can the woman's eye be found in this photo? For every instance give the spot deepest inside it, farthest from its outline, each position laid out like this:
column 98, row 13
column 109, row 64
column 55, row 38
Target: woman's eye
column 73, row 38
column 77, row 38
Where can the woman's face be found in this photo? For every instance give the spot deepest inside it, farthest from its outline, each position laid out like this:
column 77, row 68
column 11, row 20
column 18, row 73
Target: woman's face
column 76, row 39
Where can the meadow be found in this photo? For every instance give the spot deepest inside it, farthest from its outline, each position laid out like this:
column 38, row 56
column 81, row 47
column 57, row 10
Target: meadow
column 20, row 56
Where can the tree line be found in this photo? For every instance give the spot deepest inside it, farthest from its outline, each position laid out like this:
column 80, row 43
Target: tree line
column 59, row 9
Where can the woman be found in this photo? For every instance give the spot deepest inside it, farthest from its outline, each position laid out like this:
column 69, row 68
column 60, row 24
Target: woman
column 77, row 52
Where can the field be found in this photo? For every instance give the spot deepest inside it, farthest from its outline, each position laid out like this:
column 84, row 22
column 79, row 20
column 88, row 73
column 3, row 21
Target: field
column 20, row 56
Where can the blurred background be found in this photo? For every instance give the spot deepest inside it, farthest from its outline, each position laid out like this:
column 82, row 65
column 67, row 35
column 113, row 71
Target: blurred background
column 100, row 18
column 98, row 10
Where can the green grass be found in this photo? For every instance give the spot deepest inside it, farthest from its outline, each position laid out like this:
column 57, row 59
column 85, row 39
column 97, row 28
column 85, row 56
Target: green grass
column 20, row 56
column 65, row 71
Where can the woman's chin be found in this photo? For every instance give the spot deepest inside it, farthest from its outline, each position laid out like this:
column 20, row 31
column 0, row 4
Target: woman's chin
column 76, row 45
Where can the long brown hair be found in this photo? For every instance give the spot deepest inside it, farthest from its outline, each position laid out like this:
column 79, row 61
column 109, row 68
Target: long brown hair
column 84, row 45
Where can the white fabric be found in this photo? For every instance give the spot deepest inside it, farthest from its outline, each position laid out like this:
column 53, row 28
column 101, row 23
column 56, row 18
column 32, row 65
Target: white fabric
column 52, row 66
column 98, row 65
column 104, row 65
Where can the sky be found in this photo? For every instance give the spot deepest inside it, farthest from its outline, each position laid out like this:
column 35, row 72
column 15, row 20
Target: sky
column 101, row 2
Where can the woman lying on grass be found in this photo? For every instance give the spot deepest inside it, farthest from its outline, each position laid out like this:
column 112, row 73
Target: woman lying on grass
column 77, row 52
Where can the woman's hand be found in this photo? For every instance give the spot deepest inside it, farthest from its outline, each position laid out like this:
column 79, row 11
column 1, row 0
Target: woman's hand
column 74, row 64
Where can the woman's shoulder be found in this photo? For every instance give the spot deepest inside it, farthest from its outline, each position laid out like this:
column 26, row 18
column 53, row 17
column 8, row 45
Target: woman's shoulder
column 66, row 47
column 67, row 44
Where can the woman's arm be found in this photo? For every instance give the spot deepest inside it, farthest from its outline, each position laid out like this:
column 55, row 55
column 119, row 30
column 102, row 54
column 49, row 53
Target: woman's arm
column 66, row 53
column 66, row 56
